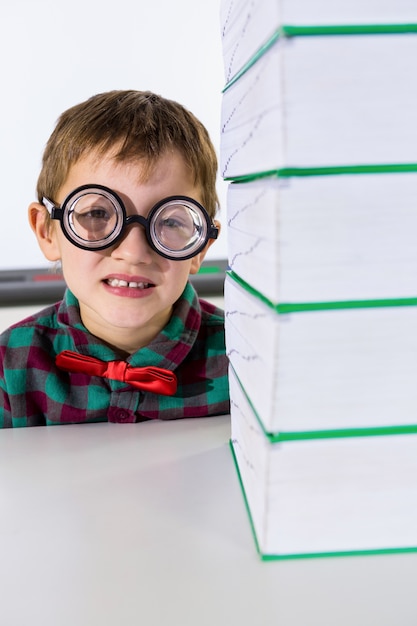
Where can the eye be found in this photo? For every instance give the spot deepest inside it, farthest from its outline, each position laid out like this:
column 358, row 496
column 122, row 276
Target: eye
column 95, row 213
column 173, row 222
column 177, row 218
column 93, row 222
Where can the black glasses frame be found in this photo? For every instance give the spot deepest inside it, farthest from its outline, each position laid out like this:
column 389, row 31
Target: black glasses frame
column 60, row 213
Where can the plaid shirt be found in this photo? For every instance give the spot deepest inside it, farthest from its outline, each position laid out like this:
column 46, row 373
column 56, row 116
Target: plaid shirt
column 34, row 391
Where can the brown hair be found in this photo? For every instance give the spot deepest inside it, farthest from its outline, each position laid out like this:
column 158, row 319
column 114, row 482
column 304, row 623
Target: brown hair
column 139, row 125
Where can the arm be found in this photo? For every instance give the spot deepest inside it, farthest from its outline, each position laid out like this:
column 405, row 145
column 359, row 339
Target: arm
column 5, row 412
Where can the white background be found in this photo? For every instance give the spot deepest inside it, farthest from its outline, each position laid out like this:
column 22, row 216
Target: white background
column 55, row 54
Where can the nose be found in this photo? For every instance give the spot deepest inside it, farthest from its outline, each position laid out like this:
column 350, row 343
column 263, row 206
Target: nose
column 133, row 245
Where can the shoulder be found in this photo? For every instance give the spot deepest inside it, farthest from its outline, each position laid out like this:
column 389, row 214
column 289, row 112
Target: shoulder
column 211, row 314
column 209, row 342
column 46, row 316
column 212, row 327
column 203, row 375
column 41, row 321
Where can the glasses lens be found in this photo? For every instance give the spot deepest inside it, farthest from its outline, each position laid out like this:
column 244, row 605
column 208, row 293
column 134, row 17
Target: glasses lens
column 179, row 227
column 92, row 218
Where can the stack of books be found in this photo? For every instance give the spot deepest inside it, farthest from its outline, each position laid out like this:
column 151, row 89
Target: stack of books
column 319, row 144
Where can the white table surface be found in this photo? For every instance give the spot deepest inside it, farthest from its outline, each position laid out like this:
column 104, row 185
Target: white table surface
column 145, row 524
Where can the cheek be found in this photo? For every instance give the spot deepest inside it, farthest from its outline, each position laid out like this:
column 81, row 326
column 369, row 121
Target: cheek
column 180, row 269
column 179, row 276
column 177, row 271
column 76, row 262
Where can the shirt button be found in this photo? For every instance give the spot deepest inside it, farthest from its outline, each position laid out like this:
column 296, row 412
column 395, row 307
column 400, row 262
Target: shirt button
column 119, row 415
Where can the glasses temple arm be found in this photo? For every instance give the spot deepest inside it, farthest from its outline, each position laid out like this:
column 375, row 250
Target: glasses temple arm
column 53, row 211
column 213, row 232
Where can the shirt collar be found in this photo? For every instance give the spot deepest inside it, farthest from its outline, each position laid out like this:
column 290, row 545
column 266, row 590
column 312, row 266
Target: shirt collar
column 168, row 349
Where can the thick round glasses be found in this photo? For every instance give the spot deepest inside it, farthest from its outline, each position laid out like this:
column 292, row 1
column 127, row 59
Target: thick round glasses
column 93, row 217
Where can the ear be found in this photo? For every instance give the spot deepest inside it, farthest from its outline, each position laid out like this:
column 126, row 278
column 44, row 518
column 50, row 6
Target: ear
column 39, row 222
column 197, row 260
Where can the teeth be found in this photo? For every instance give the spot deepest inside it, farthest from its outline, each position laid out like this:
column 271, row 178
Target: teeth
column 115, row 282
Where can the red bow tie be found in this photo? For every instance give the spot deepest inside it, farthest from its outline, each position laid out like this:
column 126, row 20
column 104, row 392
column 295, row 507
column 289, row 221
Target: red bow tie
column 154, row 379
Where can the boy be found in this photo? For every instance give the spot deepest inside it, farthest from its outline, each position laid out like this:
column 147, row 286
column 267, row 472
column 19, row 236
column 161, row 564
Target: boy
column 126, row 203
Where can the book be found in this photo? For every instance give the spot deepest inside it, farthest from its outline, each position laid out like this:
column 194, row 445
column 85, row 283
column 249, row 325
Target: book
column 322, row 101
column 318, row 238
column 326, row 495
column 246, row 25
column 318, row 143
column 345, row 366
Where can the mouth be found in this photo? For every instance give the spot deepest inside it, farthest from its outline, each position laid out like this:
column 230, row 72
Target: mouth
column 117, row 282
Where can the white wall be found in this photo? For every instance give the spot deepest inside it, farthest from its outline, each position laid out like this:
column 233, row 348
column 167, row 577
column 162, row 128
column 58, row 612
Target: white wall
column 56, row 54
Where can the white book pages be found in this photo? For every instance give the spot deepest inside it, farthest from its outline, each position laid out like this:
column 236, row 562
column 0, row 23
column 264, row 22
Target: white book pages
column 326, row 369
column 323, row 101
column 322, row 238
column 325, row 495
column 247, row 24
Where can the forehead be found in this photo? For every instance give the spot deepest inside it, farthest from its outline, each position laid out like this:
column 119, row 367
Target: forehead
column 134, row 181
column 170, row 172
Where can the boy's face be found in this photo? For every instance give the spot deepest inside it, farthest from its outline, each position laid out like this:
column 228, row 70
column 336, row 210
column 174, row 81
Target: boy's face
column 126, row 317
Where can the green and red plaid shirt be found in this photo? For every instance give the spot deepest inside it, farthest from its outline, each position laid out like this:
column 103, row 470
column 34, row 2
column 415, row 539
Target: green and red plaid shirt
column 34, row 391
